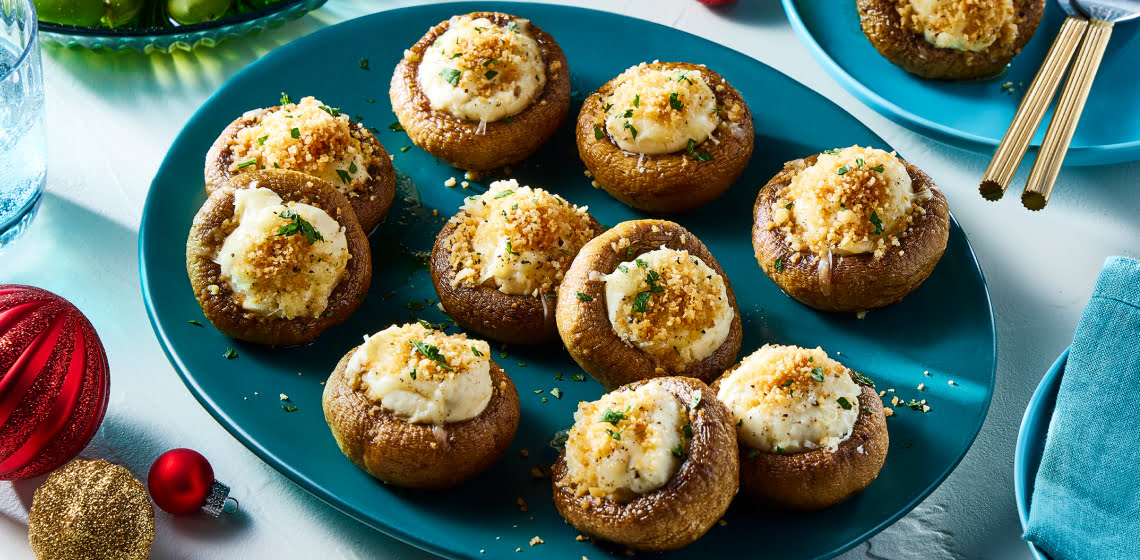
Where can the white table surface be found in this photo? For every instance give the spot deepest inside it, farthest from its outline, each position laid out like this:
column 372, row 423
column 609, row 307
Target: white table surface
column 111, row 118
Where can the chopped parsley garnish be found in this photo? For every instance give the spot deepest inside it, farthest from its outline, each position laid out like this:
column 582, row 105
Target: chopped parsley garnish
column 288, row 408
column 608, row 107
column 637, row 100
column 787, row 383
column 364, row 64
column 195, row 322
column 512, row 27
column 704, row 156
column 779, row 264
column 511, row 249
column 396, row 127
column 628, row 252
column 584, row 297
column 413, row 374
column 640, row 302
column 564, row 251
column 632, row 130
column 284, row 98
column 867, row 410
column 616, row 435
column 352, row 167
column 246, row 164
column 490, row 61
column 684, row 78
column 623, row 269
column 344, row 176
column 688, row 430
column 432, row 353
column 476, row 351
column 450, row 75
column 675, row 103
column 613, row 417
column 490, row 74
column 878, row 168
column 299, row 225
column 752, row 453
column 640, row 262
column 789, row 205
column 598, row 132
column 833, row 151
column 558, row 376
column 678, row 450
column 842, row 170
column 332, row 111
column 914, row 405
column 860, row 378
column 628, row 114
column 689, row 147
column 844, row 403
column 295, row 133
column 432, row 326
column 779, row 450
column 817, row 374
column 504, row 194
column 875, row 221
column 693, row 404
column 457, row 55
column 261, row 141
column 859, row 162
column 229, row 354
column 577, row 377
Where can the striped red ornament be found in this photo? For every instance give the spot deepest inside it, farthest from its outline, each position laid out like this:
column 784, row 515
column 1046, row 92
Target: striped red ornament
column 54, row 381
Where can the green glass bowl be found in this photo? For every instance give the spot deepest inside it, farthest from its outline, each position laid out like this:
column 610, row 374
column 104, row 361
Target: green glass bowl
column 185, row 37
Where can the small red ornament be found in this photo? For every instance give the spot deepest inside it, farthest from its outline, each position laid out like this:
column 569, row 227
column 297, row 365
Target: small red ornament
column 181, row 481
column 715, row 2
column 54, row 381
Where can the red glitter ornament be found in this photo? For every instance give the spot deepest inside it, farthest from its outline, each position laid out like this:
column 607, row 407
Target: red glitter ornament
column 181, row 481
column 54, row 380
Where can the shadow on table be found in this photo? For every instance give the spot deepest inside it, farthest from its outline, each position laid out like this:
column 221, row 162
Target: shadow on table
column 764, row 13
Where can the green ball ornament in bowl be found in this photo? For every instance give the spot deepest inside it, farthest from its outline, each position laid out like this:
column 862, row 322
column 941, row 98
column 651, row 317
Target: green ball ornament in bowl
column 160, row 25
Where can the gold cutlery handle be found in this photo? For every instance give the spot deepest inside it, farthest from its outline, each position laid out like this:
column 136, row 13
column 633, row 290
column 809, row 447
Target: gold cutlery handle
column 1032, row 109
column 1066, row 116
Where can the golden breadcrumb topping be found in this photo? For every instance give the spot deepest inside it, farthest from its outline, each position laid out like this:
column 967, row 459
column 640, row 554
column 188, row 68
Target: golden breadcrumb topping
column 671, row 305
column 518, row 239
column 423, row 375
column 788, row 399
column 851, row 201
column 309, row 137
column 966, row 25
column 627, row 443
column 482, row 71
column 654, row 110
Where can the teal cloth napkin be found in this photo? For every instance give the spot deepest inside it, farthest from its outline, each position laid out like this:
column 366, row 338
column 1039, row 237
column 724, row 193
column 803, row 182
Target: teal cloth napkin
column 1086, row 498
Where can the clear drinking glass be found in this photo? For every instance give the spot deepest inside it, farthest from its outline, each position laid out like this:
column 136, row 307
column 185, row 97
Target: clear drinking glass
column 23, row 147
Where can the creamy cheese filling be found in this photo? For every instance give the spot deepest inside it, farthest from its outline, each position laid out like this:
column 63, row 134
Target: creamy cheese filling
column 423, row 376
column 309, row 137
column 851, row 201
column 787, row 399
column 654, row 110
column 518, row 239
column 626, row 443
column 282, row 260
column 480, row 71
column 965, row 25
column 669, row 304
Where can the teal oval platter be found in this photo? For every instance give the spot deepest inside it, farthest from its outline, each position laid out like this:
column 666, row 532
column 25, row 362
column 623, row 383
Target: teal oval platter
column 975, row 114
column 946, row 327
column 1031, row 442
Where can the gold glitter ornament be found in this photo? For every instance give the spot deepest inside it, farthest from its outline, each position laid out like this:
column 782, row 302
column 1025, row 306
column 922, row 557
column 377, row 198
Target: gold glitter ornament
column 91, row 510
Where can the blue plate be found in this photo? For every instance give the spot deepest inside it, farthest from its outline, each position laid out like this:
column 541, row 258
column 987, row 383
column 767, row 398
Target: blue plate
column 1031, row 442
column 946, row 326
column 975, row 114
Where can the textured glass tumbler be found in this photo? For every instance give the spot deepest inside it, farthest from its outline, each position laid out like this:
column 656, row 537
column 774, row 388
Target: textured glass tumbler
column 23, row 147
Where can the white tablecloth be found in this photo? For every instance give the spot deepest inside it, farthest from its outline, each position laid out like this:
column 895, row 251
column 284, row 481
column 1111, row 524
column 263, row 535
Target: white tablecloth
column 111, row 118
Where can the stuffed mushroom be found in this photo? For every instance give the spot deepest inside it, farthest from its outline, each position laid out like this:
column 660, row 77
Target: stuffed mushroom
column 652, row 465
column 497, row 265
column 665, row 137
column 315, row 139
column 812, row 433
column 950, row 39
column 647, row 299
column 482, row 90
column 420, row 408
column 278, row 258
column 849, row 229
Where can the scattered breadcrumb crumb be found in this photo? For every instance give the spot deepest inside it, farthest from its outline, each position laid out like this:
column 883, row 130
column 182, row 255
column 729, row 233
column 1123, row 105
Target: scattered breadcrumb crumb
column 921, row 386
column 895, row 400
column 888, row 412
column 284, row 397
column 882, row 393
column 925, row 408
column 536, row 541
column 522, row 506
column 951, row 383
column 926, row 373
column 465, row 184
column 524, row 453
column 890, row 390
column 582, row 538
column 722, row 523
column 450, row 182
column 434, row 212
